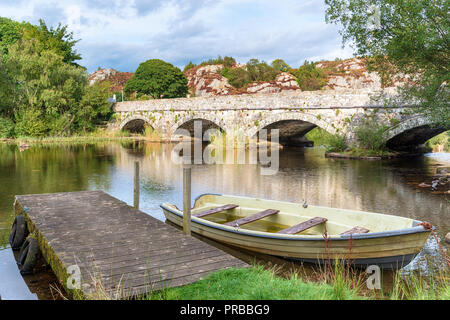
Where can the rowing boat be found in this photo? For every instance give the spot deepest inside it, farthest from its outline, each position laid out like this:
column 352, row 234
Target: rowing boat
column 304, row 232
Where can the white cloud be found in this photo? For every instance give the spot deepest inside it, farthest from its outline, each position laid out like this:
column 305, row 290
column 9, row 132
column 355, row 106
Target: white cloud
column 121, row 34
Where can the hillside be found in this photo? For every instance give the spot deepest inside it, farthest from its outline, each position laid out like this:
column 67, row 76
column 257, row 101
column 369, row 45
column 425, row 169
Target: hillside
column 207, row 80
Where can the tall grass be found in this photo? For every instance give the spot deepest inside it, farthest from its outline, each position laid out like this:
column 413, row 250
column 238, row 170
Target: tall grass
column 332, row 142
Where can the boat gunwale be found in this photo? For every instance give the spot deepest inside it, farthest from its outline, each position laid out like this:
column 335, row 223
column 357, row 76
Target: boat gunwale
column 357, row 236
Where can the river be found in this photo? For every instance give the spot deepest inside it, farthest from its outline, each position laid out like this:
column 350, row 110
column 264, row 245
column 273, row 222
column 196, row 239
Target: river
column 388, row 186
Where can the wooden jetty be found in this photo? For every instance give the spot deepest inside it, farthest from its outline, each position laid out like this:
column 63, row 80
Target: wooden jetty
column 118, row 250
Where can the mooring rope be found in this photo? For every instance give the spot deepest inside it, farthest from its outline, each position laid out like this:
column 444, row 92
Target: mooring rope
column 429, row 226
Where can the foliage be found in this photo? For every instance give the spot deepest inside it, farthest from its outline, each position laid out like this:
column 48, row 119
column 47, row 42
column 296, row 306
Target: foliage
column 10, row 32
column 59, row 41
column 47, row 96
column 310, row 78
column 189, row 66
column 371, row 136
column 261, row 71
column 237, row 77
column 6, row 128
column 332, row 142
column 29, row 123
column 280, row 65
column 157, row 79
column 226, row 61
column 255, row 71
column 440, row 142
column 410, row 36
column 254, row 283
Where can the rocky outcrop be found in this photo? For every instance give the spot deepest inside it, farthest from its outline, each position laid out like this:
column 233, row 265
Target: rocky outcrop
column 206, row 81
column 351, row 74
column 283, row 82
column 116, row 78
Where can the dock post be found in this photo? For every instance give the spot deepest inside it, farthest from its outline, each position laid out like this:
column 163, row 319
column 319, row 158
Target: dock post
column 187, row 201
column 136, row 185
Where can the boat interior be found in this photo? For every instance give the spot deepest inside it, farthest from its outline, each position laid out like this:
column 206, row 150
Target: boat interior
column 291, row 218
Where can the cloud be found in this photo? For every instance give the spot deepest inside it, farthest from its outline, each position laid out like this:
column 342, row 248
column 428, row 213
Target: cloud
column 122, row 33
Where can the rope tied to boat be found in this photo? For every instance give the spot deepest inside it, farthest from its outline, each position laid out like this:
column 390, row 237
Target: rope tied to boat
column 327, row 239
column 428, row 226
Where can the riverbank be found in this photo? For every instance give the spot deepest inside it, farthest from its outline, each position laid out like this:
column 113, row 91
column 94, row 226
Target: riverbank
column 358, row 154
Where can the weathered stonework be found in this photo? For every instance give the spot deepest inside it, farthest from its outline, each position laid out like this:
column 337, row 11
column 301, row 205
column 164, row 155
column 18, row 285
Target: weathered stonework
column 293, row 113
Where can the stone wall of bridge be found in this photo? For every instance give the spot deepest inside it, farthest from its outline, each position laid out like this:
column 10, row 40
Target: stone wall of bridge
column 294, row 114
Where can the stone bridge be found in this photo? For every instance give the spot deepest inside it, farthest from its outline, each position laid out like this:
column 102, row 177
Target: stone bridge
column 294, row 114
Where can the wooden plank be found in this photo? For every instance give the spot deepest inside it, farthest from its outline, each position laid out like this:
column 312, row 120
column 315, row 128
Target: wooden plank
column 252, row 218
column 356, row 230
column 303, row 226
column 215, row 210
column 100, row 233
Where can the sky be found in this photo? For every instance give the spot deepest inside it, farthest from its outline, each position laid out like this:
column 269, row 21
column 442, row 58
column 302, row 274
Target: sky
column 120, row 34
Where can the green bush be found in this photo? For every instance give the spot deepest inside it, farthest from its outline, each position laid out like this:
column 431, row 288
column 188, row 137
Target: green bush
column 237, row 77
column 333, row 143
column 371, row 136
column 336, row 143
column 157, row 79
column 189, row 66
column 310, row 78
column 6, row 128
column 29, row 123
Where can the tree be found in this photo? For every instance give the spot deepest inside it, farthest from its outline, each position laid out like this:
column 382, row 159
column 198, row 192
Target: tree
column 310, row 78
column 189, row 66
column 58, row 40
column 47, row 95
column 261, row 71
column 410, row 37
column 280, row 65
column 10, row 32
column 157, row 79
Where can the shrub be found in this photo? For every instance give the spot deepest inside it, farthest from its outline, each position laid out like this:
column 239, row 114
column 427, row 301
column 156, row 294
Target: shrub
column 189, row 66
column 157, row 79
column 336, row 143
column 310, row 78
column 237, row 77
column 6, row 128
column 371, row 136
column 29, row 123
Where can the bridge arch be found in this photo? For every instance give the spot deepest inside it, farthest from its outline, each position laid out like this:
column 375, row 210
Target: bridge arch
column 411, row 133
column 292, row 126
column 135, row 123
column 209, row 121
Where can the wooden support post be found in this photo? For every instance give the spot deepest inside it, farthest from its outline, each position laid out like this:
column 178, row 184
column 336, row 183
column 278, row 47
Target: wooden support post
column 187, row 201
column 136, row 185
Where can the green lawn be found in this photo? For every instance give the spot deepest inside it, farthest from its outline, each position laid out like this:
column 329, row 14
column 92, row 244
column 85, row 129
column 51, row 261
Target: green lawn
column 255, row 283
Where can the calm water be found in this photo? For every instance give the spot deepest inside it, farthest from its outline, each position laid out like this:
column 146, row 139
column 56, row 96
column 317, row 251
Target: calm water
column 381, row 186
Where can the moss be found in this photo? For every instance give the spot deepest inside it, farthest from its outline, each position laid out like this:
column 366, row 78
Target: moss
column 58, row 267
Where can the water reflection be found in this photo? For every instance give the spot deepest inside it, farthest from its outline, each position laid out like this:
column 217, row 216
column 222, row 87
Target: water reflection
column 378, row 186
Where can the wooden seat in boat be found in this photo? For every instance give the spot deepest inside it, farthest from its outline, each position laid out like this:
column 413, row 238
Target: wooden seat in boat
column 253, row 217
column 304, row 225
column 355, row 230
column 215, row 210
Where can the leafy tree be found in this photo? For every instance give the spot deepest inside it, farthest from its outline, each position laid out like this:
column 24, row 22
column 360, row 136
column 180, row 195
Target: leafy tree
column 157, row 79
column 47, row 95
column 280, row 65
column 310, row 78
column 407, row 36
column 189, row 66
column 10, row 32
column 261, row 71
column 59, row 40
column 237, row 77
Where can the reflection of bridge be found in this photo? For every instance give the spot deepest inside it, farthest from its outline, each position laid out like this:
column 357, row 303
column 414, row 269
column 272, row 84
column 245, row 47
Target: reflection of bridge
column 294, row 114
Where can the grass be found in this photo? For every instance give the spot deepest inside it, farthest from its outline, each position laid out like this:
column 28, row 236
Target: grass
column 333, row 143
column 256, row 283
